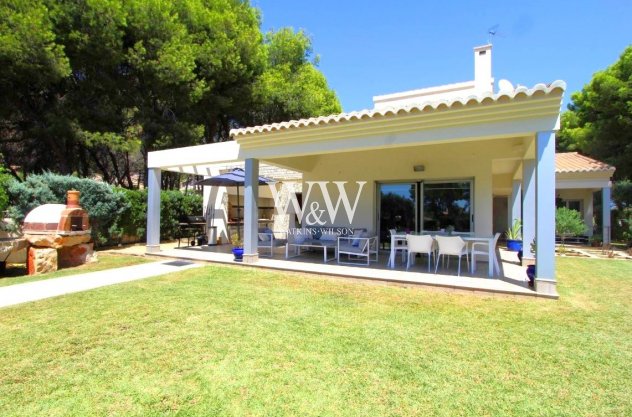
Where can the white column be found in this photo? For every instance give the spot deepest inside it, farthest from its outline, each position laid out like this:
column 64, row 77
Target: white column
column 251, row 211
column 545, row 214
column 528, row 209
column 515, row 205
column 153, row 210
column 606, row 222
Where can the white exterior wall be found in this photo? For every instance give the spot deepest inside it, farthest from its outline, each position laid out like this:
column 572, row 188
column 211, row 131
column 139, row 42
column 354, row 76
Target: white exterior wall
column 455, row 161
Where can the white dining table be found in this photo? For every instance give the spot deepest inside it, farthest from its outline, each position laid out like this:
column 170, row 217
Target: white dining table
column 469, row 238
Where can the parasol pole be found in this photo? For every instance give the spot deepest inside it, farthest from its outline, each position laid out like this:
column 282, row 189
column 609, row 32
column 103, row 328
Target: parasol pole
column 238, row 215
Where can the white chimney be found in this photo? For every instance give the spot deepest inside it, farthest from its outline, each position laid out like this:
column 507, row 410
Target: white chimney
column 483, row 80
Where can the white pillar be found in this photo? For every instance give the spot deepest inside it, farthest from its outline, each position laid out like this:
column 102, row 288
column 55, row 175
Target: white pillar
column 606, row 222
column 545, row 214
column 153, row 210
column 528, row 209
column 515, row 205
column 251, row 211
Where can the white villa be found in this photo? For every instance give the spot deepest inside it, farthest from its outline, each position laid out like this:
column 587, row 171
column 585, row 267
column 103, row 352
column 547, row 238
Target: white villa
column 465, row 155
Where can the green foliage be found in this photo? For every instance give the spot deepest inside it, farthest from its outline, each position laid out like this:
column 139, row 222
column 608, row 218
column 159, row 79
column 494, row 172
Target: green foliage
column 291, row 87
column 133, row 220
column 622, row 221
column 173, row 205
column 103, row 205
column 134, row 76
column 105, row 82
column 236, row 241
column 515, row 231
column 5, row 180
column 622, row 194
column 114, row 212
column 599, row 120
column 568, row 223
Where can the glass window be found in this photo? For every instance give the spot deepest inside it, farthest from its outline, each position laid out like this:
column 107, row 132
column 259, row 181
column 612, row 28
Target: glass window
column 447, row 204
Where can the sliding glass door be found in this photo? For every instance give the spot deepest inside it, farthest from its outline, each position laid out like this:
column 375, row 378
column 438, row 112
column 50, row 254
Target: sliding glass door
column 440, row 205
column 397, row 208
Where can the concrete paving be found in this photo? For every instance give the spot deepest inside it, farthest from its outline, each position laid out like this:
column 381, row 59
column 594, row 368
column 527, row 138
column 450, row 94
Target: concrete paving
column 513, row 281
column 39, row 290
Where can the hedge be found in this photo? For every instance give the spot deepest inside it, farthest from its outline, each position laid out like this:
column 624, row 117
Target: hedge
column 115, row 213
column 173, row 206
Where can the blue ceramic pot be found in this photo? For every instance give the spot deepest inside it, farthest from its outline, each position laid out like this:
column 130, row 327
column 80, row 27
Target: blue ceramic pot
column 238, row 253
column 531, row 274
column 514, row 245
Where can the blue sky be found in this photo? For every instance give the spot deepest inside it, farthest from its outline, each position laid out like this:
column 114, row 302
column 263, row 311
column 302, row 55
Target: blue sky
column 371, row 48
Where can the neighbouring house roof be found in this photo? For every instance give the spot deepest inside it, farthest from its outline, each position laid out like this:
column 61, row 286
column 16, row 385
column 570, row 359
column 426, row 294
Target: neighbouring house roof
column 521, row 92
column 575, row 162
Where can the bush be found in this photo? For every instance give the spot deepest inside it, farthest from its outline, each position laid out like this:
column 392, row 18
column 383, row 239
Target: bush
column 104, row 206
column 173, row 205
column 5, row 179
column 114, row 212
column 133, row 220
column 622, row 221
column 568, row 223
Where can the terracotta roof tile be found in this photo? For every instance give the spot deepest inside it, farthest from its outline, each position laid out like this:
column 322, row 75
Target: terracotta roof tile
column 430, row 105
column 574, row 162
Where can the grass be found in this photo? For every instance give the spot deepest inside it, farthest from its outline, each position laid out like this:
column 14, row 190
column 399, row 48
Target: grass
column 16, row 274
column 228, row 341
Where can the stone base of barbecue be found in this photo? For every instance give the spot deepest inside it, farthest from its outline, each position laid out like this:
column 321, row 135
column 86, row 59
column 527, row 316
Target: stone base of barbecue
column 57, row 241
column 75, row 255
column 41, row 260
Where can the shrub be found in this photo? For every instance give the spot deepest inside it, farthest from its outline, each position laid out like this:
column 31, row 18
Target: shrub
column 568, row 223
column 114, row 212
column 173, row 205
column 133, row 220
column 622, row 222
column 104, row 206
column 5, row 179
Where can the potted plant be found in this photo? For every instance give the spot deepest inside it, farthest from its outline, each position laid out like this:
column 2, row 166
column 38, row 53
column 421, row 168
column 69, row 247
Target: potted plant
column 238, row 247
column 531, row 268
column 449, row 230
column 596, row 240
column 514, row 236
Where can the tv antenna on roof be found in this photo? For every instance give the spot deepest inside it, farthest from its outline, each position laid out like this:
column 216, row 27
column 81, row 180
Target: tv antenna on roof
column 491, row 32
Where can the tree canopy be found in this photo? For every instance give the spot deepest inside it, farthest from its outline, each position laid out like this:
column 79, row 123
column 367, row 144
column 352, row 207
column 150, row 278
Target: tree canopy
column 89, row 87
column 599, row 119
column 291, row 86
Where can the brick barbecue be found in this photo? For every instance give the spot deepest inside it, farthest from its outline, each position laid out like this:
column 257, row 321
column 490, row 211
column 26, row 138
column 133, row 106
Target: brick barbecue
column 59, row 235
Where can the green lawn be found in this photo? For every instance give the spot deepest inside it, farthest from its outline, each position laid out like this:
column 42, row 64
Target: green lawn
column 229, row 341
column 16, row 274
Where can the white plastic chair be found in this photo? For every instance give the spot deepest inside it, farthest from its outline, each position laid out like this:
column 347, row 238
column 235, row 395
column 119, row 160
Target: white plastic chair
column 484, row 251
column 451, row 246
column 399, row 245
column 419, row 244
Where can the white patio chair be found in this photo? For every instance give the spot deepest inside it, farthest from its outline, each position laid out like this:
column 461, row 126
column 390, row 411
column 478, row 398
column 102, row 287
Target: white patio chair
column 423, row 244
column 484, row 251
column 451, row 246
column 271, row 240
column 399, row 245
column 355, row 248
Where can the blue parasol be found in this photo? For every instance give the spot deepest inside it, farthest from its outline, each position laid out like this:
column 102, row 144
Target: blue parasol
column 234, row 178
